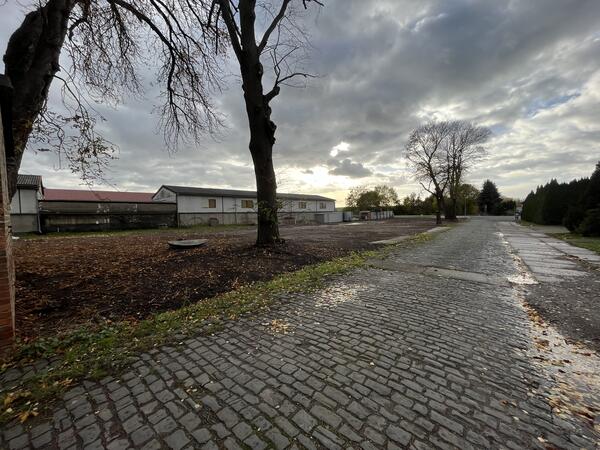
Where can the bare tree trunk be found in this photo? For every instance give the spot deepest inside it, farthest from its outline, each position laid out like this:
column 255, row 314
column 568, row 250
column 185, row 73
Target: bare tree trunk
column 266, row 187
column 262, row 129
column 262, row 138
column 31, row 61
column 450, row 209
column 440, row 207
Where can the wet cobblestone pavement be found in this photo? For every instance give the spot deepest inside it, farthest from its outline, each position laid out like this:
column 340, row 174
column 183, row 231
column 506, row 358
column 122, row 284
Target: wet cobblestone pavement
column 398, row 355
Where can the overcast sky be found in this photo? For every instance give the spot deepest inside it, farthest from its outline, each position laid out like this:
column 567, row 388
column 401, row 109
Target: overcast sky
column 528, row 69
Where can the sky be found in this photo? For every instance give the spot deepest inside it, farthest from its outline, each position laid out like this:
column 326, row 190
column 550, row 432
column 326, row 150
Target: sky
column 529, row 70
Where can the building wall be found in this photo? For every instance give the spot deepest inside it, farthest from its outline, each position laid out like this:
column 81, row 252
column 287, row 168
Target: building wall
column 242, row 218
column 99, row 216
column 105, row 222
column 250, row 218
column 165, row 195
column 62, row 207
column 329, row 217
column 195, row 204
column 25, row 201
column 25, row 223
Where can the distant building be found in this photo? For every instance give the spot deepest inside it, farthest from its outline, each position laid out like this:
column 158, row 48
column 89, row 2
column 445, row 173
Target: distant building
column 24, row 208
column 88, row 210
column 38, row 209
column 227, row 206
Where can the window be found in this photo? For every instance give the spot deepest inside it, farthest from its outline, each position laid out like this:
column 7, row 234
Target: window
column 322, row 205
column 302, row 205
column 212, row 202
column 249, row 204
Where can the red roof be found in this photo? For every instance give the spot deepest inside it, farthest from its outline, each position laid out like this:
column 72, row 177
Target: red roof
column 75, row 195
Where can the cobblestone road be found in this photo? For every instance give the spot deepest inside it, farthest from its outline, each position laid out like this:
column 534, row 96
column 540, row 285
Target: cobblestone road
column 429, row 349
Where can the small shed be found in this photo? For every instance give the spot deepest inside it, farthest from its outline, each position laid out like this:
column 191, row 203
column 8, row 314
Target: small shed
column 24, row 208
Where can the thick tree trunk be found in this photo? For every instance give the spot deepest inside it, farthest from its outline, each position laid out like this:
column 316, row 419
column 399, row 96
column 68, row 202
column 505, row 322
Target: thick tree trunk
column 262, row 139
column 450, row 209
column 440, row 207
column 266, row 193
column 31, row 61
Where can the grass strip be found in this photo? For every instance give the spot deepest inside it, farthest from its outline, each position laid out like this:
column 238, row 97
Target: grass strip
column 591, row 243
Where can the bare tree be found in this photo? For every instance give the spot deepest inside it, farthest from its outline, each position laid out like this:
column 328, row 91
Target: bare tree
column 279, row 45
column 426, row 153
column 464, row 147
column 108, row 41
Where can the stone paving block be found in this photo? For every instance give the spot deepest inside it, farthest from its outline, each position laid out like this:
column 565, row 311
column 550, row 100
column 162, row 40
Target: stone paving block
column 278, row 440
column 304, row 420
column 167, row 425
column 18, row 442
column 89, row 434
column 202, row 435
column 326, row 415
column 118, row 444
column 177, row 440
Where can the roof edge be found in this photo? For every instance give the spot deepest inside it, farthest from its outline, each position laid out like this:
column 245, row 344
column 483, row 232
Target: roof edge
column 233, row 192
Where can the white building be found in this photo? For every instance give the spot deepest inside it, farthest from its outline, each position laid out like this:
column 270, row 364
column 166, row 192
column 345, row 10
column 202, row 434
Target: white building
column 226, row 206
column 24, row 208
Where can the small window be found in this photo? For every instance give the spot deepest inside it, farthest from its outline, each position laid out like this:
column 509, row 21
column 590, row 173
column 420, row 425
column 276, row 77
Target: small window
column 302, row 205
column 249, row 204
column 322, row 205
column 212, row 202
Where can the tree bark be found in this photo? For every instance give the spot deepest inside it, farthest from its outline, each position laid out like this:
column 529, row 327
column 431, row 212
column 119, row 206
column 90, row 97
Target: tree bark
column 441, row 206
column 262, row 129
column 31, row 61
column 450, row 209
column 262, row 138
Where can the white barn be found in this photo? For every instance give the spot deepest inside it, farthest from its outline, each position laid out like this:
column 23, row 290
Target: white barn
column 227, row 206
column 24, row 208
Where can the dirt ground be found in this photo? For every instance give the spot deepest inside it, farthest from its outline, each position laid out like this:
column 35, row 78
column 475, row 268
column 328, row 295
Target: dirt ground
column 65, row 282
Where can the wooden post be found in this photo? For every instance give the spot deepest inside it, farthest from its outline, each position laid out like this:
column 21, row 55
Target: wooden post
column 7, row 270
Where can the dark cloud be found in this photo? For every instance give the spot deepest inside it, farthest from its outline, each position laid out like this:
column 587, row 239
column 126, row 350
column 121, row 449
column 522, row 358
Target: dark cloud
column 528, row 69
column 347, row 168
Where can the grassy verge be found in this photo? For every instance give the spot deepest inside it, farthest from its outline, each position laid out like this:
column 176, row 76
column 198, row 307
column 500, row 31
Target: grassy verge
column 591, row 243
column 137, row 232
column 93, row 354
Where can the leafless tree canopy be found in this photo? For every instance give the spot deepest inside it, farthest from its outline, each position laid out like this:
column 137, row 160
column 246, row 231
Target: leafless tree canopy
column 440, row 153
column 464, row 149
column 111, row 45
column 425, row 151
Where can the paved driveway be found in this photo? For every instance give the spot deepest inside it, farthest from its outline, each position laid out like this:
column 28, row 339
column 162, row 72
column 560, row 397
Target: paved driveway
column 430, row 348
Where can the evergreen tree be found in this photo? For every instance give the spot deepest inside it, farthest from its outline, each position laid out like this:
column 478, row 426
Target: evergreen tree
column 489, row 198
column 591, row 196
column 590, row 225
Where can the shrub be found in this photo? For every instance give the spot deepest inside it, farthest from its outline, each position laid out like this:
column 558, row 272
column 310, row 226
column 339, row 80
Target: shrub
column 590, row 226
column 574, row 217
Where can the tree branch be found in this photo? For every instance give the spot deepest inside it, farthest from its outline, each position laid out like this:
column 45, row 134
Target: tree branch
column 276, row 20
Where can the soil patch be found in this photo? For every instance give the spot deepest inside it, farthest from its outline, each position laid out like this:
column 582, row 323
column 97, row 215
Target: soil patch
column 63, row 283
